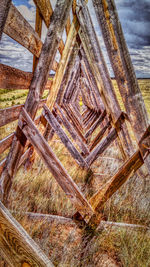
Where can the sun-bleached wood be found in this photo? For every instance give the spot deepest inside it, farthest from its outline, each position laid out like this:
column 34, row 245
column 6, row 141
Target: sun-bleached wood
column 6, row 142
column 101, row 74
column 37, row 86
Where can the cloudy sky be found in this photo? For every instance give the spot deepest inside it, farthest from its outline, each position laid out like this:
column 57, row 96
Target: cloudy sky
column 135, row 19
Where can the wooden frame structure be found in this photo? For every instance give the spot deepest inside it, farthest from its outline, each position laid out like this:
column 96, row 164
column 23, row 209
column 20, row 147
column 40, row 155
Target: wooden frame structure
column 80, row 73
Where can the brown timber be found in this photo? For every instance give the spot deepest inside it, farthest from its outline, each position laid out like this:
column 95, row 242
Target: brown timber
column 67, row 184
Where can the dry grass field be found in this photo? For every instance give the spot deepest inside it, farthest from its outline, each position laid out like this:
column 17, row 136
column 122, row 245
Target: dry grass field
column 35, row 190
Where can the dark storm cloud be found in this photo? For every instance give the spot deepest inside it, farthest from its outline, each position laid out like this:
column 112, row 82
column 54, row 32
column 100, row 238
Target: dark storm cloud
column 135, row 20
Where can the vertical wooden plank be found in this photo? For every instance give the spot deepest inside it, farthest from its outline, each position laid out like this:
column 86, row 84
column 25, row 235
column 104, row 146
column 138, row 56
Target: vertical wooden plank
column 38, row 29
column 73, row 132
column 108, row 20
column 4, row 9
column 38, row 83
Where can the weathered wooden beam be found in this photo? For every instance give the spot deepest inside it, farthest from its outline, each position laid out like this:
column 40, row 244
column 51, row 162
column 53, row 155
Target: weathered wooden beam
column 21, row 31
column 96, row 124
column 64, row 138
column 38, row 29
column 100, row 148
column 37, row 86
column 46, row 11
column 90, row 122
column 125, row 172
column 13, row 79
column 17, row 247
column 122, row 66
column 76, row 120
column 63, row 63
column 54, row 165
column 2, row 164
column 72, row 131
column 4, row 9
column 86, row 69
column 6, row 142
column 11, row 114
column 69, row 75
column 100, row 71
column 100, row 135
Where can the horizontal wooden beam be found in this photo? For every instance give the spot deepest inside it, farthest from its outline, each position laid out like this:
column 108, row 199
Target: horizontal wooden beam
column 19, row 29
column 17, row 247
column 64, row 138
column 14, row 79
column 6, row 142
column 54, row 165
column 11, row 114
column 100, row 148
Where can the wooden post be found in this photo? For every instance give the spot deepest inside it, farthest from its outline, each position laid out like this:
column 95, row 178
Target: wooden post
column 38, row 83
column 122, row 66
column 18, row 28
column 99, row 69
column 4, row 9
column 38, row 29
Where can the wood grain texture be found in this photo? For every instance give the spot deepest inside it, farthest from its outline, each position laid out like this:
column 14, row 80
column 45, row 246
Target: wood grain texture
column 14, row 79
column 17, row 247
column 6, row 142
column 55, row 167
column 100, row 135
column 64, row 138
column 11, row 114
column 96, row 124
column 125, row 172
column 38, row 29
column 21, row 31
column 46, row 11
column 63, row 63
column 4, row 9
column 37, row 86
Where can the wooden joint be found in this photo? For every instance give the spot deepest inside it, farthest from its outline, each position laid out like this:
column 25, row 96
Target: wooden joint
column 118, row 124
column 144, row 143
column 20, row 135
